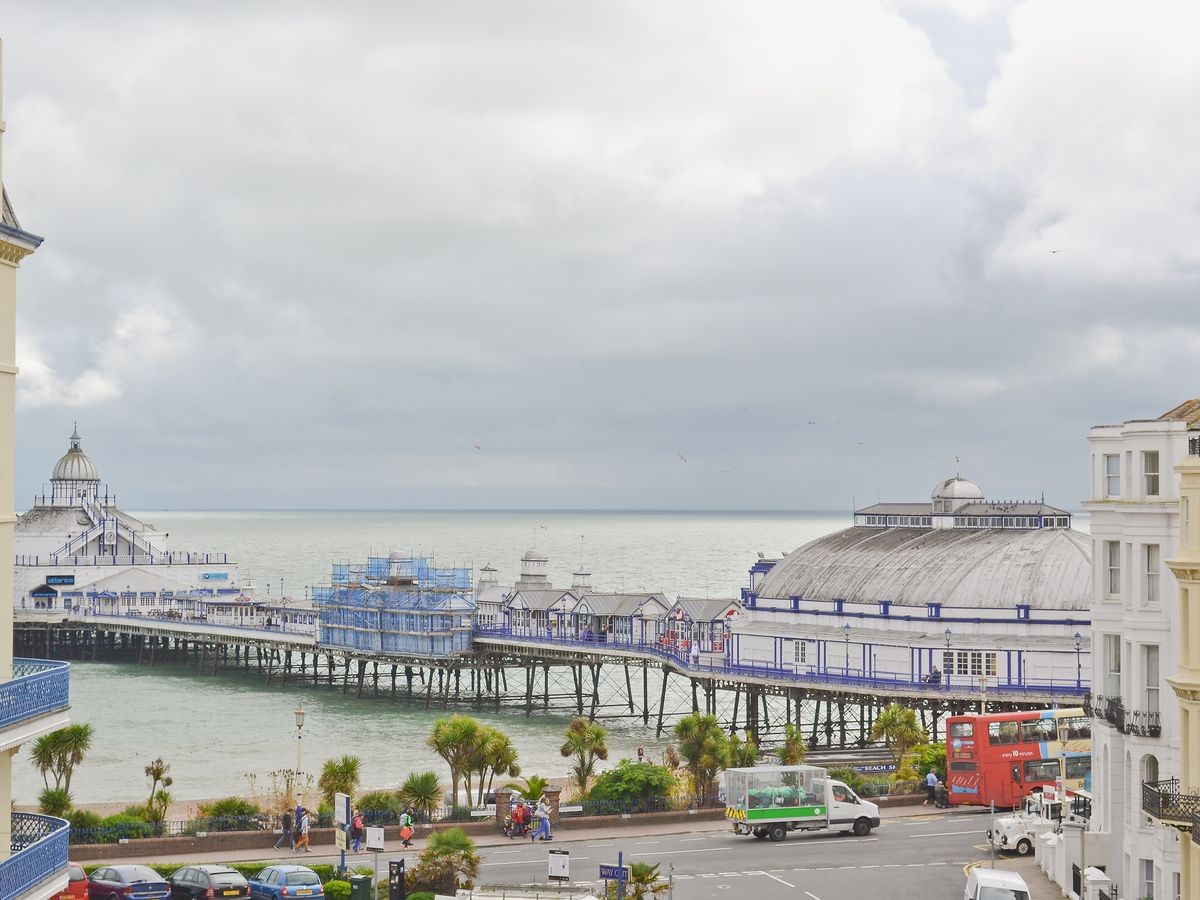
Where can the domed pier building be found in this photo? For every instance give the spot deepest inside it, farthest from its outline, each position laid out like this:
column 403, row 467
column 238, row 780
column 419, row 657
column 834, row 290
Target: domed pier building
column 958, row 593
column 75, row 550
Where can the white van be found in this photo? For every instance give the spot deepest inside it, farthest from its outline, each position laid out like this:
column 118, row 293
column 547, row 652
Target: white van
column 995, row 884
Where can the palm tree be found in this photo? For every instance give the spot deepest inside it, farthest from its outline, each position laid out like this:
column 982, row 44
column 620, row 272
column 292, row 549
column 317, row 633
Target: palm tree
column 157, row 773
column 55, row 802
column 793, row 749
column 644, row 881
column 898, row 728
column 448, row 861
column 531, row 787
column 42, row 756
column 705, row 750
column 744, row 753
column 422, row 792
column 339, row 775
column 76, row 741
column 454, row 740
column 499, row 757
column 585, row 742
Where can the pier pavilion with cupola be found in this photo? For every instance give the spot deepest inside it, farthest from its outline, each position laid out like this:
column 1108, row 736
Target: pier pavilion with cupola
column 959, row 591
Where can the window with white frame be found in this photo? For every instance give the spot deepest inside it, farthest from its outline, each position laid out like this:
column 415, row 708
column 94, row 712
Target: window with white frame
column 1112, row 561
column 1150, row 676
column 1146, row 870
column 1112, row 664
column 1152, row 558
column 1112, row 475
column 976, row 663
column 800, row 650
column 1150, row 472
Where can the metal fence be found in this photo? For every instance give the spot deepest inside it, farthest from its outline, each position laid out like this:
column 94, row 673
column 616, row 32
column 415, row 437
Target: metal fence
column 1164, row 800
column 39, row 850
column 38, row 686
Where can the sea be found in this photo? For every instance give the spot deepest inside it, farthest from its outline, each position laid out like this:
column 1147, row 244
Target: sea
column 224, row 734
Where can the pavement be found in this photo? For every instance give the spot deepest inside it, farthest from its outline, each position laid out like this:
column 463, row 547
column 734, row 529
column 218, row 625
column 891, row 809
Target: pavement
column 919, row 851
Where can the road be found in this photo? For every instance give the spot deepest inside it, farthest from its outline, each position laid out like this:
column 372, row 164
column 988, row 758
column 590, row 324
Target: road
column 922, row 855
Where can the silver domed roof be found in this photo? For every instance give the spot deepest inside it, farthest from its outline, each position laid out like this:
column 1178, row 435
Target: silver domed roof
column 534, row 555
column 75, row 465
column 958, row 488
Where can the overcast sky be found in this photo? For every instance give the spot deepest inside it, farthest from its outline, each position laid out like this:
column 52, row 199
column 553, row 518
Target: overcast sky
column 311, row 257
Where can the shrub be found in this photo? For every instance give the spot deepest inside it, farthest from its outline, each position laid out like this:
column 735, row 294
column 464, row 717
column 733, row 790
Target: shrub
column 928, row 758
column 55, row 802
column 849, row 777
column 448, row 862
column 228, row 807
column 123, row 825
column 83, row 818
column 629, row 783
column 385, row 804
column 421, row 895
column 337, row 890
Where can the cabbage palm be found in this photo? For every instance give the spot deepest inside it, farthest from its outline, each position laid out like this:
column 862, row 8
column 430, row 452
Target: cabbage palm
column 585, row 742
column 645, row 881
column 793, row 749
column 898, row 728
column 339, row 775
column 454, row 740
column 705, row 750
column 498, row 757
column 59, row 752
column 422, row 792
column 531, row 787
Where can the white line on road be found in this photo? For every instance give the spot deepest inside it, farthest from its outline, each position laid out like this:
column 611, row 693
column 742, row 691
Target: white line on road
column 602, row 845
column 686, row 840
column 814, row 896
column 944, row 833
column 642, row 843
column 526, row 862
column 769, row 875
column 665, row 852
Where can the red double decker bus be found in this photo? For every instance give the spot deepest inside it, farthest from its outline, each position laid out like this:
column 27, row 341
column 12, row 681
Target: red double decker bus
column 1001, row 757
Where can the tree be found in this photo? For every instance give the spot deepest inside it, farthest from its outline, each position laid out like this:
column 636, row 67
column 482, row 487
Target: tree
column 793, row 750
column 55, row 802
column 744, row 753
column 448, row 862
column 157, row 773
column 59, row 752
column 898, row 728
column 422, row 792
column 930, row 758
column 495, row 755
column 530, row 787
column 455, row 740
column 339, row 775
column 585, row 743
column 704, row 747
column 644, row 881
column 632, row 783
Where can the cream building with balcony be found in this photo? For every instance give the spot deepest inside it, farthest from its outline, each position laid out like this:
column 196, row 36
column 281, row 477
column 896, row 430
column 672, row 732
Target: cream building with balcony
column 1135, row 525
column 33, row 693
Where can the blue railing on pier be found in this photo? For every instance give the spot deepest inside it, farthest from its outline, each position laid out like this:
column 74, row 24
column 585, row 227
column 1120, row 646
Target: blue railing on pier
column 810, row 675
column 39, row 850
column 38, row 686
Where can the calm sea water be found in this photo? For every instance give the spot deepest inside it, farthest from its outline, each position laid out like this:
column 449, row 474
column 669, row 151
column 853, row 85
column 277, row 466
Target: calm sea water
column 213, row 731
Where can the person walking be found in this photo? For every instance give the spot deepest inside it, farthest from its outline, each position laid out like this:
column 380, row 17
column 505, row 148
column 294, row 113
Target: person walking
column 406, row 827
column 931, row 781
column 285, row 836
column 356, row 831
column 303, row 827
column 542, row 816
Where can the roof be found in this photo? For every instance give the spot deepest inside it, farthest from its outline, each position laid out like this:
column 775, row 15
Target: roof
column 896, row 509
column 1187, row 411
column 700, row 609
column 619, row 604
column 537, row 598
column 980, row 508
column 7, row 216
column 988, row 568
column 494, row 593
column 881, row 635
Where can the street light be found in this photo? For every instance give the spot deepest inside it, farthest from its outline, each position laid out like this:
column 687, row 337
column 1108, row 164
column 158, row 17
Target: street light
column 1078, row 669
column 949, row 663
column 299, row 714
column 846, row 631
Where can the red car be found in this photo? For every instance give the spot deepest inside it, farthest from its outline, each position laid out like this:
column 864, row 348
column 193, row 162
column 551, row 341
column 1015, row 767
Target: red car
column 77, row 886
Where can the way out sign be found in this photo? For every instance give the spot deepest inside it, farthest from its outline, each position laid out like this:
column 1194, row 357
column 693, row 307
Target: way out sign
column 560, row 865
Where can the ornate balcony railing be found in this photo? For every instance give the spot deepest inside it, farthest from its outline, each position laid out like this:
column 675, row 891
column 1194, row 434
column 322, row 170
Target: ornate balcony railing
column 1165, row 801
column 38, row 686
column 39, row 849
column 1196, row 828
column 1081, row 806
column 1126, row 721
column 1147, row 724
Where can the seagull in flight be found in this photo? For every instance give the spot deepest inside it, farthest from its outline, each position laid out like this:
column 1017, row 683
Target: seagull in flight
column 684, row 458
column 477, row 445
column 1056, row 251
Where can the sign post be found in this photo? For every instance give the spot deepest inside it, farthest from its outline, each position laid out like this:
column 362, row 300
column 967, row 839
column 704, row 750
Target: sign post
column 560, row 865
column 619, row 873
column 375, row 844
column 341, row 819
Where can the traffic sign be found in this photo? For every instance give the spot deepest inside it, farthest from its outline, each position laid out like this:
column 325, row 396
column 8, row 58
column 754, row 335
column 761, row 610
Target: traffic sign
column 614, row 873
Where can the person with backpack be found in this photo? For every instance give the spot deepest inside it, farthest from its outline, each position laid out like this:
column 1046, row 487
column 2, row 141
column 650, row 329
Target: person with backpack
column 356, row 831
column 303, row 827
column 285, row 836
column 406, row 827
column 542, row 816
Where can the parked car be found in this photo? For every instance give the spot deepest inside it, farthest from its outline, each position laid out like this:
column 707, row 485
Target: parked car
column 127, row 883
column 280, row 882
column 995, row 884
column 208, row 882
column 77, row 884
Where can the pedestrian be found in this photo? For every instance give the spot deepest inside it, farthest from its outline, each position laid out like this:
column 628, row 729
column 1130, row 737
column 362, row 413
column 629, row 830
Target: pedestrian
column 305, row 823
column 356, row 831
column 941, row 796
column 695, row 655
column 406, row 827
column 931, row 781
column 285, row 836
column 542, row 816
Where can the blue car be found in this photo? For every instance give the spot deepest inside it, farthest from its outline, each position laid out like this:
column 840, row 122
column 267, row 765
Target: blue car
column 280, row 882
column 127, row 883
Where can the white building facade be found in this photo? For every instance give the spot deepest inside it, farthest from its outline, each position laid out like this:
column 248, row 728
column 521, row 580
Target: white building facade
column 1134, row 506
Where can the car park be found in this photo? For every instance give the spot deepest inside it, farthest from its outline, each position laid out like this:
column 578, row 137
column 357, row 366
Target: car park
column 285, row 882
column 127, row 883
column 208, row 882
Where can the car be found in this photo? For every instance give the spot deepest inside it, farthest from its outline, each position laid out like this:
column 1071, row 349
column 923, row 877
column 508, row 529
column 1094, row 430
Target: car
column 77, row 884
column 127, row 883
column 995, row 884
column 280, row 882
column 208, row 882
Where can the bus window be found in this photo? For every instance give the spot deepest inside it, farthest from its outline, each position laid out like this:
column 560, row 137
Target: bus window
column 1041, row 770
column 962, row 767
column 1039, row 730
column 1076, row 728
column 962, row 729
column 1079, row 766
column 1002, row 733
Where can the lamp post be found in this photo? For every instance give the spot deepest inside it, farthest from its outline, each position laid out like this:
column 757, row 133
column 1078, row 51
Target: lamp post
column 299, row 714
column 949, row 663
column 1078, row 665
column 846, row 631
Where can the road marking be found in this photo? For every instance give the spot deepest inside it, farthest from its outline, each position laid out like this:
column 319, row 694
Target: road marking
column 498, row 852
column 944, row 833
column 698, row 850
column 876, row 866
column 643, row 843
column 605, row 845
column 525, row 862
column 681, row 840
column 769, row 875
column 814, row 896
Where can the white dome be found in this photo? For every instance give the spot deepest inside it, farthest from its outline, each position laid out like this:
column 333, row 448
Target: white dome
column 75, row 465
column 958, row 488
column 534, row 556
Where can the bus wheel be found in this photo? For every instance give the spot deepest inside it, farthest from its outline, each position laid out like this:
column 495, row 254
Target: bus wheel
column 760, row 833
column 777, row 832
column 1024, row 848
column 862, row 827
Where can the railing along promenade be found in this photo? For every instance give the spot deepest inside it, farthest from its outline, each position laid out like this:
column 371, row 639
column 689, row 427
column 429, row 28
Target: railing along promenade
column 39, row 851
column 38, row 686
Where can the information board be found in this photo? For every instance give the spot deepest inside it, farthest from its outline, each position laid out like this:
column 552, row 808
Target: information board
column 560, row 865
